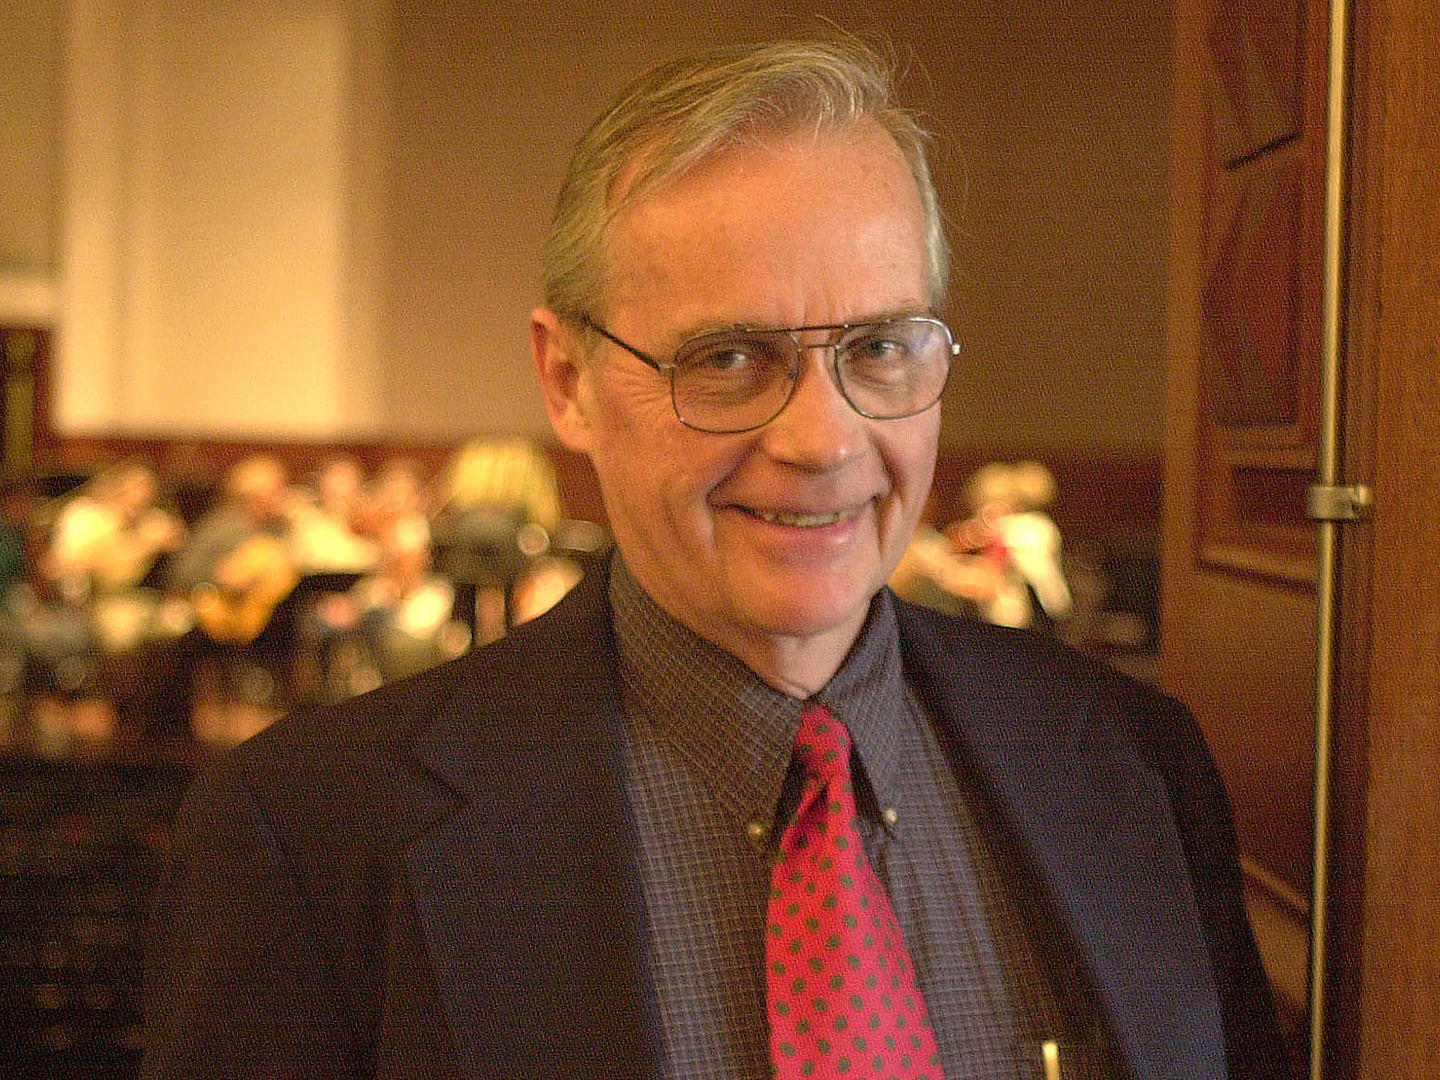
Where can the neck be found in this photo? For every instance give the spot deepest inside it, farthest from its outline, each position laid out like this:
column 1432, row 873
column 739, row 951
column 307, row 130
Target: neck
column 797, row 666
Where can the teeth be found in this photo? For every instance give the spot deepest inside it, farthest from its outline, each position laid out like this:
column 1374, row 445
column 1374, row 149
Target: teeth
column 802, row 521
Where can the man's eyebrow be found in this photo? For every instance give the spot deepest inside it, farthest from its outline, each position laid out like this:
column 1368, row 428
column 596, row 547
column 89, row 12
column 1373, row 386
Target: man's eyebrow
column 706, row 329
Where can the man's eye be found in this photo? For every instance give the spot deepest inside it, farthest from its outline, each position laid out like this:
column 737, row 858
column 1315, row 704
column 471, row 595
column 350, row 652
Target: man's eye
column 878, row 358
column 736, row 356
column 728, row 358
column 879, row 350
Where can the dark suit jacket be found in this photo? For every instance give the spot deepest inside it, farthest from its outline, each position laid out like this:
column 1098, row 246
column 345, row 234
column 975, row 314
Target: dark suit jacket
column 437, row 879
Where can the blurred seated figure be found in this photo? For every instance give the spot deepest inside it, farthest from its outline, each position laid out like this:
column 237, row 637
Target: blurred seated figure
column 326, row 523
column 239, row 572
column 48, row 653
column 1009, row 528
column 107, row 550
column 932, row 573
column 90, row 601
column 240, row 563
column 499, row 506
column 105, row 547
column 393, row 623
column 110, row 534
column 395, row 496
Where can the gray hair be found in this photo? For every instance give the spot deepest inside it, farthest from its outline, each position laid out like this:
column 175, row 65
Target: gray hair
column 686, row 111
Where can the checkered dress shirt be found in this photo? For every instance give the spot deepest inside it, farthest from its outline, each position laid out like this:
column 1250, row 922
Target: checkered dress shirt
column 711, row 785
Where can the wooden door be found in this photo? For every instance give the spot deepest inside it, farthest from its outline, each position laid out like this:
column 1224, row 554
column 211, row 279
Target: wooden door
column 1383, row 978
column 1239, row 571
column 1239, row 600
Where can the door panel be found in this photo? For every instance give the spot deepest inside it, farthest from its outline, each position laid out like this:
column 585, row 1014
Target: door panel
column 1258, row 68
column 1239, row 605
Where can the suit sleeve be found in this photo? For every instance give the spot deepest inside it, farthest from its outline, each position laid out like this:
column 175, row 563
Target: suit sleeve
column 237, row 981
column 1172, row 741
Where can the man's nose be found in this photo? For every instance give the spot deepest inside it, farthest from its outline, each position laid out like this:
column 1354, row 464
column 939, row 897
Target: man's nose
column 818, row 429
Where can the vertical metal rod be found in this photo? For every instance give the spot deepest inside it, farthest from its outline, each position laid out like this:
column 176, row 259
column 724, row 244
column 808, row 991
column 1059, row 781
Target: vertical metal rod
column 1319, row 905
column 1331, row 299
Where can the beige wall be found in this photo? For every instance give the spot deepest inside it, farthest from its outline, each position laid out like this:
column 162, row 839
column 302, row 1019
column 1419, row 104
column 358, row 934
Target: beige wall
column 1052, row 114
column 29, row 127
column 219, row 253
column 373, row 272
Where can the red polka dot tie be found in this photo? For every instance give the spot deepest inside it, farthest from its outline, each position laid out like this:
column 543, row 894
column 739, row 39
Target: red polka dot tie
column 842, row 997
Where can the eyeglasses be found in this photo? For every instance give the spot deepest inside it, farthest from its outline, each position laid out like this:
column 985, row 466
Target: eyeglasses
column 739, row 380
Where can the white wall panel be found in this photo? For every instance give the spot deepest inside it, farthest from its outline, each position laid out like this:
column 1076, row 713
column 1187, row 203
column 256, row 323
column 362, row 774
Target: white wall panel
column 210, row 277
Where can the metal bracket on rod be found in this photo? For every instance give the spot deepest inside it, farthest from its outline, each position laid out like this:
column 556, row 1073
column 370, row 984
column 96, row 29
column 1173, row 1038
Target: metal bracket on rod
column 1338, row 502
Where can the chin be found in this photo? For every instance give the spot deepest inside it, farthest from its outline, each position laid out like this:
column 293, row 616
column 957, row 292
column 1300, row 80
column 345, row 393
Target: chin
column 799, row 611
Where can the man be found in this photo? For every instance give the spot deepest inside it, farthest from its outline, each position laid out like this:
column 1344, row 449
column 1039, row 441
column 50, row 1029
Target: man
column 599, row 848
column 255, row 511
column 238, row 574
column 107, row 539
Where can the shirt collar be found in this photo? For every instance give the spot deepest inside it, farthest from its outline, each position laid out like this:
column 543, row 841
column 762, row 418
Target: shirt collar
column 734, row 731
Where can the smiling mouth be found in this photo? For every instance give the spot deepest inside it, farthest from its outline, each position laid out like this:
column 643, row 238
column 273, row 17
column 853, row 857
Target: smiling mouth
column 802, row 521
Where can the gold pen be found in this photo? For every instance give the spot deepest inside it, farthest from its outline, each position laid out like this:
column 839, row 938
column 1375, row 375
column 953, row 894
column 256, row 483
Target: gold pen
column 1050, row 1058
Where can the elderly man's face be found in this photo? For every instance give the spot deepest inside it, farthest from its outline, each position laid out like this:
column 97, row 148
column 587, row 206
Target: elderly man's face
column 771, row 541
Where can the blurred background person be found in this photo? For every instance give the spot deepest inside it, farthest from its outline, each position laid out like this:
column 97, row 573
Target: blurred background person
column 395, row 622
column 498, row 509
column 239, row 571
column 326, row 521
column 240, row 564
column 106, row 555
column 933, row 573
column 395, row 496
column 110, row 535
column 1008, row 528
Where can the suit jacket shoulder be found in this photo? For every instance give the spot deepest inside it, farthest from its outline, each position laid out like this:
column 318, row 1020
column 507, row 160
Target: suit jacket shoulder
column 401, row 885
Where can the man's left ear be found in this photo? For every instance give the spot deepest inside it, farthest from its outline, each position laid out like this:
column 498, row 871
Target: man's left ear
column 558, row 363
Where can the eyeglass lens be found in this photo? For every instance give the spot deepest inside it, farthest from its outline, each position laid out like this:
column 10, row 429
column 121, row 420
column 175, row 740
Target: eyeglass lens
column 735, row 380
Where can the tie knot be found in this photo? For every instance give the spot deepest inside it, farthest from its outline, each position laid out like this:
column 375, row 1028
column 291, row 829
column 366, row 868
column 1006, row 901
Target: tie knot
column 823, row 743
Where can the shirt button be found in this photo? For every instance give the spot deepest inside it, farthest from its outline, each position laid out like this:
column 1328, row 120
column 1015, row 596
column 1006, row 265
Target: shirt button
column 755, row 831
column 890, row 816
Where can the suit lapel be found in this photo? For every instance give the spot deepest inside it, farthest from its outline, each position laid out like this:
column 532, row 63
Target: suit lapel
column 527, row 893
column 1095, row 824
